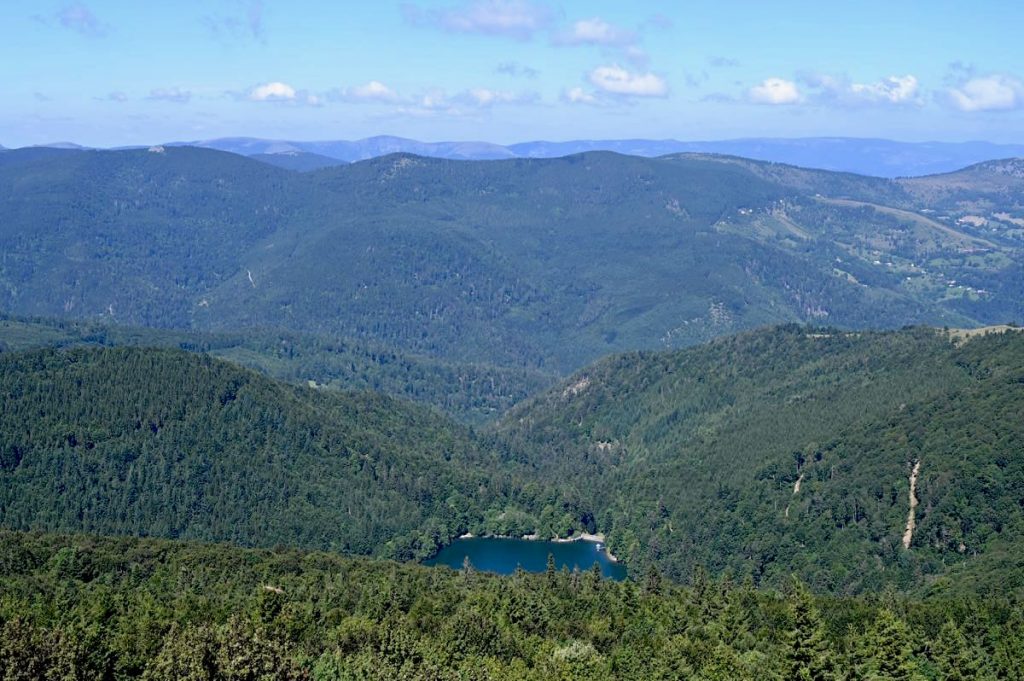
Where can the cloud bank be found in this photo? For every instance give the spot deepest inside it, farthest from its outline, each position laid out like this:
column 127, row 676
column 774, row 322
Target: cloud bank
column 996, row 92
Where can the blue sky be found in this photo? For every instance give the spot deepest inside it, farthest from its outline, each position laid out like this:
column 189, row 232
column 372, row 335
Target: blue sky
column 113, row 72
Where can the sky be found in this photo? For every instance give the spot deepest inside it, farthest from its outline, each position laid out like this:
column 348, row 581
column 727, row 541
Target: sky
column 123, row 72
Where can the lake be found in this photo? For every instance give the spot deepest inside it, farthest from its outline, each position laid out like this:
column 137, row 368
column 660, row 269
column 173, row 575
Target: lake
column 500, row 555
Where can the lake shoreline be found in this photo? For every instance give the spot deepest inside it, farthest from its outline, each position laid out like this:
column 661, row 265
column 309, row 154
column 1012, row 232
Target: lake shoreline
column 596, row 538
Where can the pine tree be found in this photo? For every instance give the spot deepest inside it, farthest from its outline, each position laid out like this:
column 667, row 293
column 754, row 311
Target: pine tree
column 551, row 573
column 886, row 651
column 954, row 657
column 808, row 657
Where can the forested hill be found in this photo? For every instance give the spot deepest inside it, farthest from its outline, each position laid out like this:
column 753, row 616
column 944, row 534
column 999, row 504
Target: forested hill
column 472, row 393
column 792, row 450
column 171, row 444
column 540, row 262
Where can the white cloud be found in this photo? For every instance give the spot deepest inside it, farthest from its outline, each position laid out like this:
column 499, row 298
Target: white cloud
column 775, row 91
column 596, row 31
column 831, row 90
column 619, row 81
column 272, row 92
column 996, row 92
column 518, row 19
column 374, row 91
column 578, row 95
column 893, row 90
column 434, row 100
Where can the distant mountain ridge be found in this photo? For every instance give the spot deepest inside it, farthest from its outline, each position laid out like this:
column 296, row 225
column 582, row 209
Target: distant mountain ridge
column 358, row 150
column 864, row 156
column 544, row 263
column 876, row 157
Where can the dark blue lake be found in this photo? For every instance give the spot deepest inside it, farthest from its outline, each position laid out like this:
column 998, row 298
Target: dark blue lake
column 492, row 554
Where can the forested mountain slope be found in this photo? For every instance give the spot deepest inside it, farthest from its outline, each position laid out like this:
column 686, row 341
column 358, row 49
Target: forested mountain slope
column 172, row 444
column 541, row 262
column 472, row 393
column 792, row 450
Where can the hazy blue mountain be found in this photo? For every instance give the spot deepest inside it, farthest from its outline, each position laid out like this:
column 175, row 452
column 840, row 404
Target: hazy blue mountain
column 359, row 150
column 62, row 145
column 877, row 157
column 540, row 262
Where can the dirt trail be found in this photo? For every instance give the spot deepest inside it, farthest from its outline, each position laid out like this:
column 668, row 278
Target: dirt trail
column 796, row 487
column 908, row 535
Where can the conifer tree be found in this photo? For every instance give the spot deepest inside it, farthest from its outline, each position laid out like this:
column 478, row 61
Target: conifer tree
column 954, row 657
column 809, row 657
column 886, row 651
column 551, row 571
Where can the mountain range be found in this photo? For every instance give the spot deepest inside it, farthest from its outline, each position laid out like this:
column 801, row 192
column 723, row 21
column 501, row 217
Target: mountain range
column 876, row 157
column 545, row 263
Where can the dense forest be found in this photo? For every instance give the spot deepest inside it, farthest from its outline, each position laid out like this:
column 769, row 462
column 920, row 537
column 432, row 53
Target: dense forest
column 786, row 450
column 173, row 444
column 99, row 608
column 791, row 450
column 544, row 263
column 472, row 393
